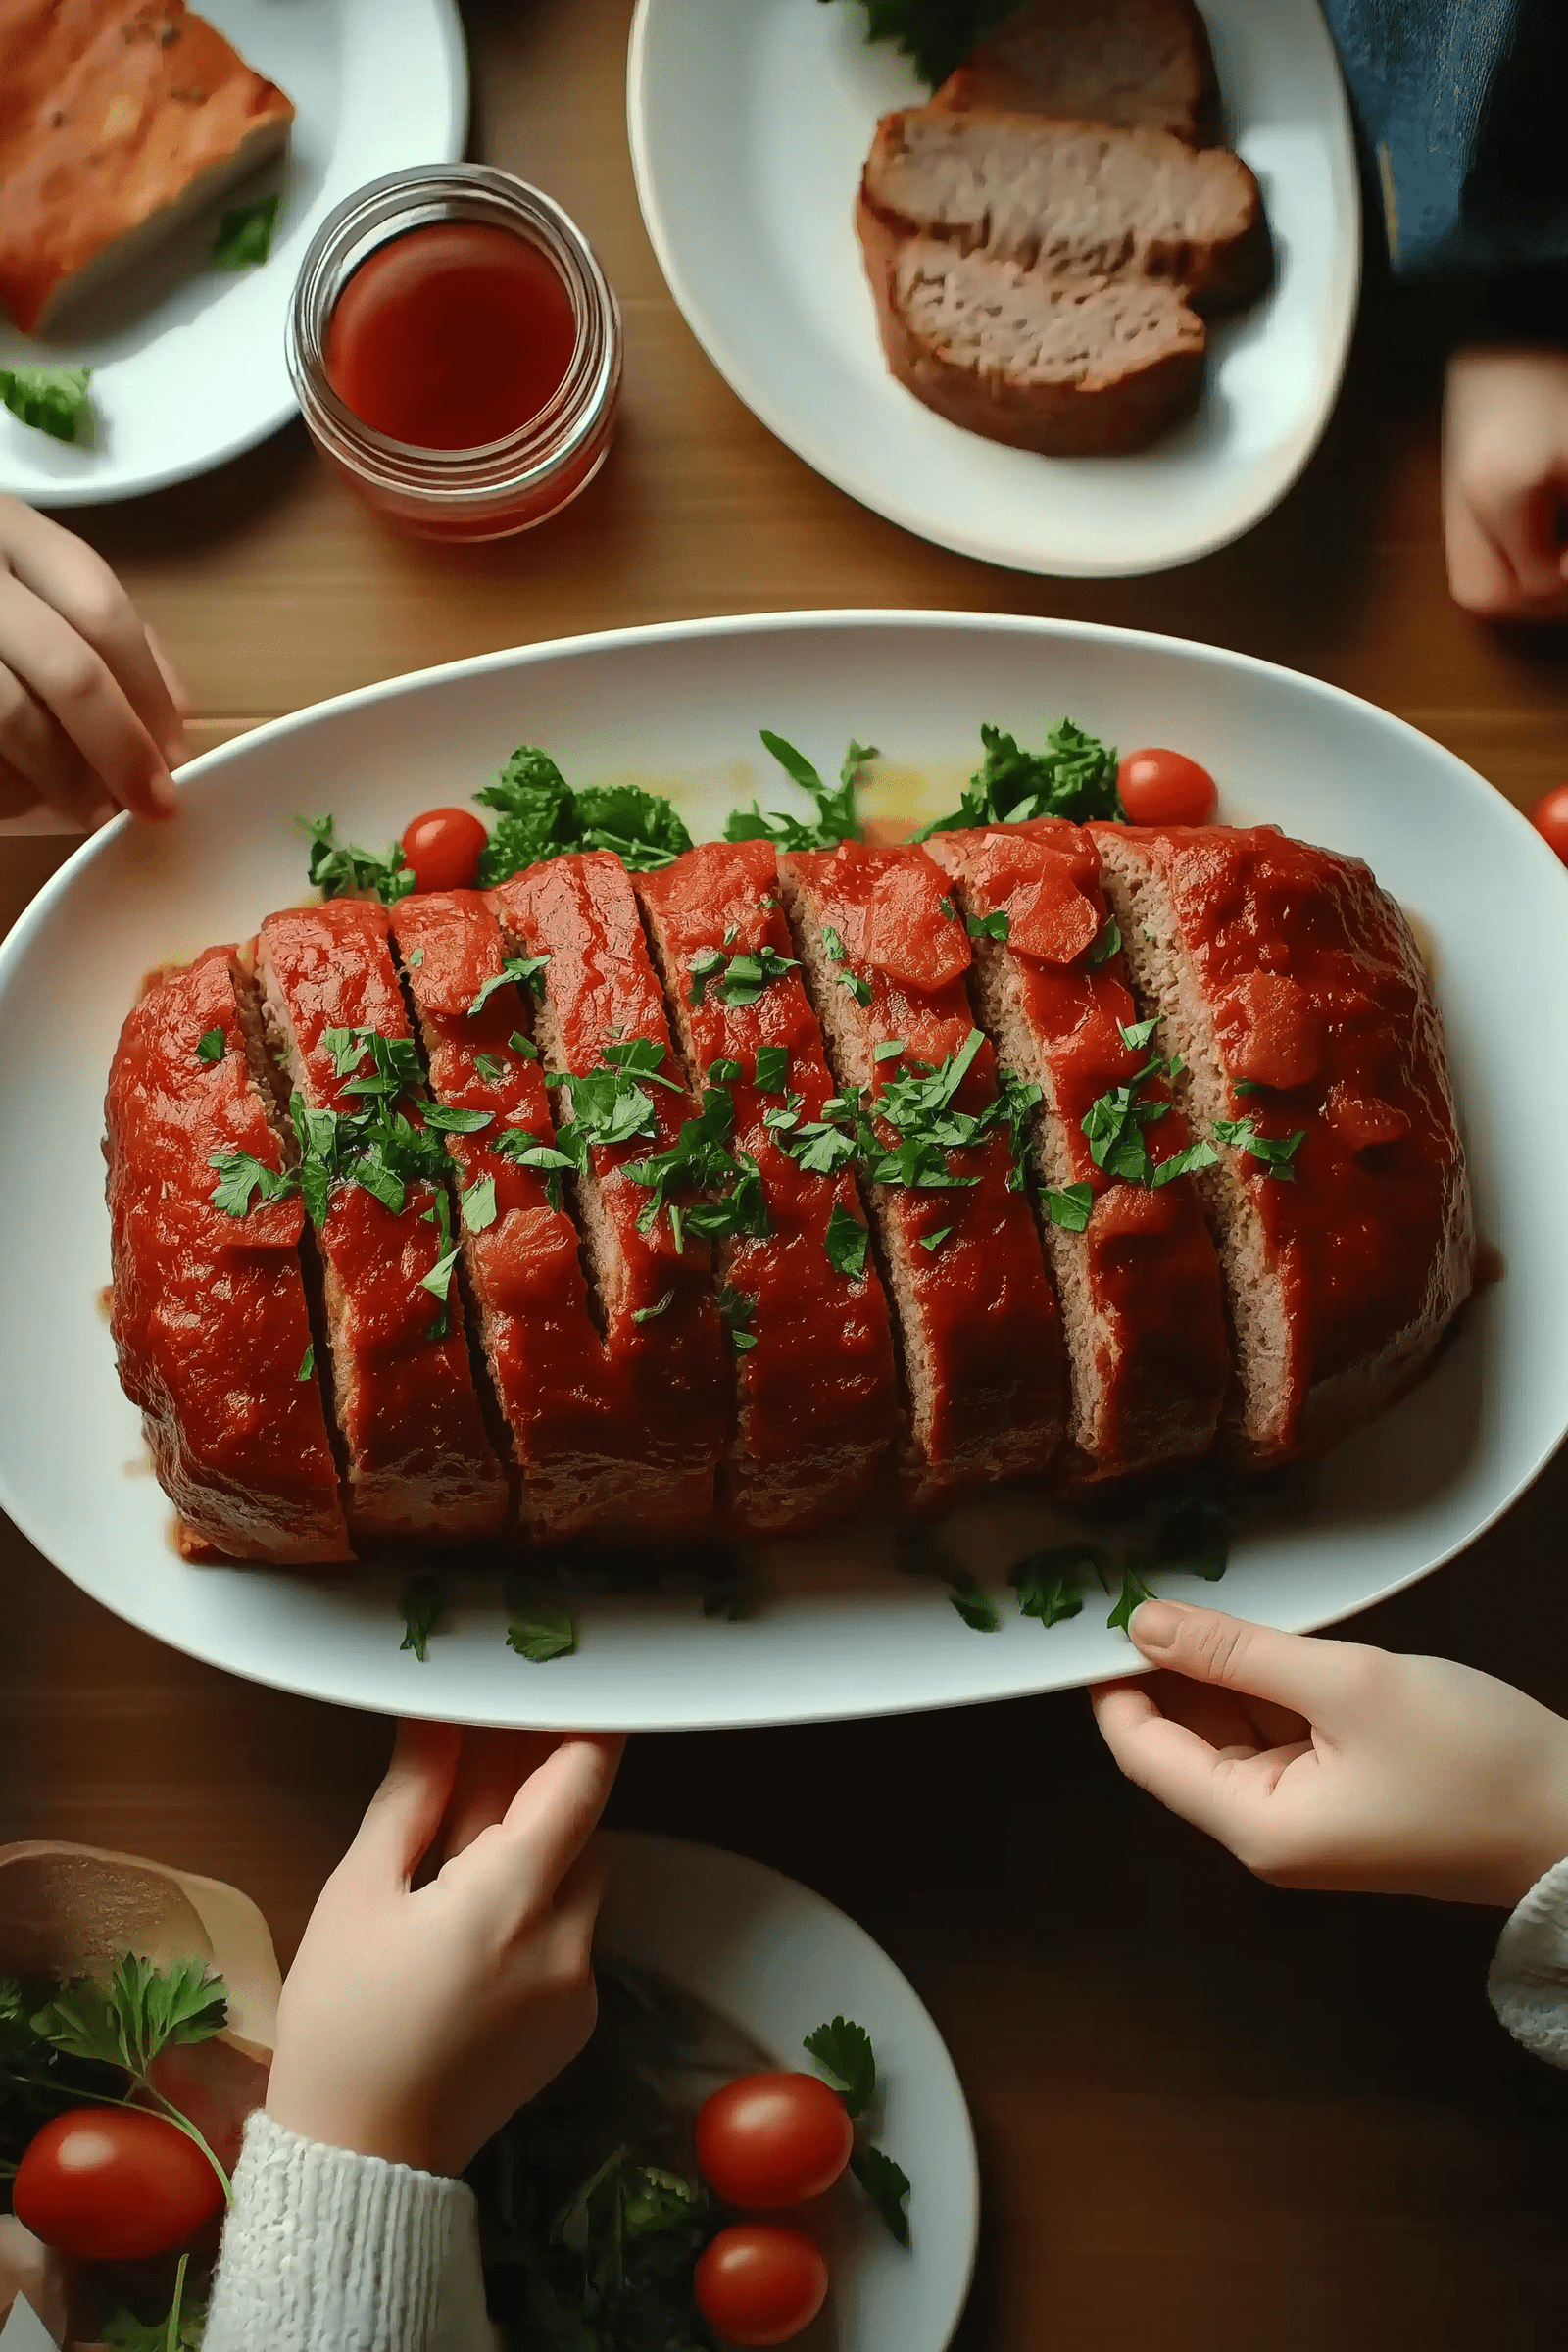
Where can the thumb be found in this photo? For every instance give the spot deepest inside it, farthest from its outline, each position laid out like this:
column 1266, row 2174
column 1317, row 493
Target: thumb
column 406, row 1812
column 1294, row 1670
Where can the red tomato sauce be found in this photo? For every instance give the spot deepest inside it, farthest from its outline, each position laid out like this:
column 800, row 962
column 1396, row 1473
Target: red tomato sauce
column 818, row 1406
column 451, row 337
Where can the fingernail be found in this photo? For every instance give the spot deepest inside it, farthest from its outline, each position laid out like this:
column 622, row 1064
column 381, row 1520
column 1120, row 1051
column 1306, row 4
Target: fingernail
column 1155, row 1624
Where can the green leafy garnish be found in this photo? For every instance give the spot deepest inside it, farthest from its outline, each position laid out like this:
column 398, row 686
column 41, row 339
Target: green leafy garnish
column 933, row 1241
column 140, row 2011
column 241, row 1176
column 1069, row 1206
column 650, row 1314
column 1047, row 1581
column 704, row 1160
column 524, row 1045
column 182, row 2331
column 477, row 1203
column 524, row 969
column 845, row 1241
column 843, row 2050
column 526, row 1150
column 307, row 1362
column 1275, row 1152
column 538, row 1630
column 210, row 1045
column 887, row 2185
column 1133, row 1590
column 52, row 400
column 977, row 1611
column 937, row 36
column 1074, row 777
column 1107, row 945
column 737, row 980
column 736, row 1309
column 889, row 1049
column 988, row 926
column 447, row 1118
column 1195, row 1538
column 542, row 815
column 835, row 806
column 490, row 1067
column 922, row 1554
column 337, row 870
column 245, row 234
column 423, row 1601
column 772, row 1069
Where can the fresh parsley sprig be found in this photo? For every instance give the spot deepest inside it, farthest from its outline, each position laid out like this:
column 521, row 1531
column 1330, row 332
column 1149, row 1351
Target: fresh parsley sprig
column 1276, row 1153
column 338, row 870
column 52, row 400
column 541, row 816
column 835, row 819
column 843, row 2050
column 737, row 980
column 1074, row 777
column 935, row 35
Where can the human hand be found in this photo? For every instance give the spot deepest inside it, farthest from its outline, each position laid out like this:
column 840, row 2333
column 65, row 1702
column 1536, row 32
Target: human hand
column 1330, row 1764
column 91, row 713
column 416, row 2020
column 1505, row 481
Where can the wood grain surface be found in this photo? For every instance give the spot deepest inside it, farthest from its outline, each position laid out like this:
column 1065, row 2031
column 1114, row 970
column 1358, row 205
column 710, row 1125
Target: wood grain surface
column 1211, row 2114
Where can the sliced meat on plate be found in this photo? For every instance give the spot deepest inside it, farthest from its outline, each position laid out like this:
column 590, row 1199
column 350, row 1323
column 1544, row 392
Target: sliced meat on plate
column 1140, row 63
column 210, row 1316
column 1136, row 1272
column 421, row 1464
column 885, row 957
column 819, row 1407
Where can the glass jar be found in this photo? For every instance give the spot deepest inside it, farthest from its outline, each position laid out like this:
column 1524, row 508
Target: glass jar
column 508, row 485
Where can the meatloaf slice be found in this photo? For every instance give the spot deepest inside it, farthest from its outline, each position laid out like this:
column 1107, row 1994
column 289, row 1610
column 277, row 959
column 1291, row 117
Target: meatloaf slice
column 209, row 1317
column 1142, row 1301
column 667, row 1364
column 520, row 1257
column 421, row 1465
column 1293, row 988
column 118, row 120
column 884, row 958
column 1141, row 64
column 818, row 1410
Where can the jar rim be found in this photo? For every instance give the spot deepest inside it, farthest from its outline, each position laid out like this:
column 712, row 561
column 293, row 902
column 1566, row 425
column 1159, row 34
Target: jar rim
column 547, row 442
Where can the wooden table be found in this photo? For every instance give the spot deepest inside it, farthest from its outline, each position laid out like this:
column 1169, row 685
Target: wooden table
column 1211, row 2114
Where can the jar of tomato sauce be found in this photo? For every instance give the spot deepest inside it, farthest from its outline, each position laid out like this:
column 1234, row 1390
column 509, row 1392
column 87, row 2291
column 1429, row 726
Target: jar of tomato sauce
column 456, row 350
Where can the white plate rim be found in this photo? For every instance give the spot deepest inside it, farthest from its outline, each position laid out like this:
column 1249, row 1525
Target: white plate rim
column 93, row 491
column 751, row 388
column 693, row 1873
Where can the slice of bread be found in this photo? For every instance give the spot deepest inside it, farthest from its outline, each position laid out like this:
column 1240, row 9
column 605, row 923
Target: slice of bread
column 120, row 120
column 1141, row 64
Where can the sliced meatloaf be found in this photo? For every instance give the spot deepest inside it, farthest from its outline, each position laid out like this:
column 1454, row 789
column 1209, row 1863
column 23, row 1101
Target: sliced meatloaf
column 523, row 1276
column 885, row 958
column 421, row 1465
column 602, row 1018
column 1140, row 63
column 817, row 1411
column 1039, row 281
column 1135, row 1273
column 1292, row 987
column 209, row 1317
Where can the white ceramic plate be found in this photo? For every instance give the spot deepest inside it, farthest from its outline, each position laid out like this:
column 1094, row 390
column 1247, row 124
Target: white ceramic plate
column 188, row 367
column 775, row 1960
column 748, row 127
column 678, row 706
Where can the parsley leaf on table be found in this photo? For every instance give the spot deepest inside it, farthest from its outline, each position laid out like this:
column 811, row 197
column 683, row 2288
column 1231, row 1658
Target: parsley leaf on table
column 835, row 819
column 52, row 400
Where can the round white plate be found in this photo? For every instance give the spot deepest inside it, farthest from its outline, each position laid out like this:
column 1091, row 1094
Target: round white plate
column 777, row 1961
column 748, row 127
column 677, row 708
column 188, row 367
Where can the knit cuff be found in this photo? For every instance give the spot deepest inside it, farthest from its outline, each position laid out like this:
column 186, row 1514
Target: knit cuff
column 1528, row 1983
column 326, row 2251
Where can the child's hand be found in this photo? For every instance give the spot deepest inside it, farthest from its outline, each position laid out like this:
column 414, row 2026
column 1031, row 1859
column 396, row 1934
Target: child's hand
column 1505, row 481
column 89, row 720
column 1328, row 1764
column 415, row 2021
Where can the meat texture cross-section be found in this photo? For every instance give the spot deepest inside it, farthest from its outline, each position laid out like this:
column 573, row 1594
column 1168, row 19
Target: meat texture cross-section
column 1143, row 65
column 421, row 1465
column 885, row 956
column 209, row 1317
column 605, row 1041
column 818, row 1410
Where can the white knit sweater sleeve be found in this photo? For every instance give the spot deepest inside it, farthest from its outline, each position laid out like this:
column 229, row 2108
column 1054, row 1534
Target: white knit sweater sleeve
column 325, row 2251
column 1529, row 1979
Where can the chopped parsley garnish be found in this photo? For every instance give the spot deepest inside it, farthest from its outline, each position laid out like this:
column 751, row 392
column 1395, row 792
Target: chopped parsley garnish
column 701, row 1160
column 478, row 1204
column 526, row 1150
column 1074, row 777
column 978, row 1613
column 949, row 910
column 518, row 968
column 245, row 234
column 887, row 2185
column 538, row 1630
column 421, row 1602
column 415, row 959
column 934, row 1241
column 337, row 870
column 1019, row 1102
column 210, row 1045
column 242, row 1177
column 1115, row 1124
column 607, row 1105
column 451, row 1119
column 1275, row 1152
column 524, row 1045
column 1069, row 1206
column 651, row 1314
column 845, row 1241
column 726, row 1071
column 922, row 1554
column 1246, row 1085
column 542, row 815
column 737, row 980
column 1047, row 1581
column 736, row 1308
column 843, row 2050
column 491, row 1068
column 988, row 926
column 307, row 1362
column 772, row 1069
column 52, row 400
column 835, row 819
column 439, row 1282
column 889, row 1049
column 1133, row 1590
column 1107, row 945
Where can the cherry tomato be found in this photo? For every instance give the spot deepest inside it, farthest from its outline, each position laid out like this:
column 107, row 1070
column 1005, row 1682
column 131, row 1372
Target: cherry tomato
column 761, row 2285
column 773, row 2140
column 1549, row 816
column 113, row 2185
column 1165, row 788
column 443, row 848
